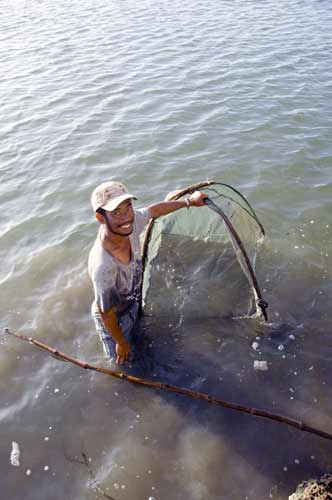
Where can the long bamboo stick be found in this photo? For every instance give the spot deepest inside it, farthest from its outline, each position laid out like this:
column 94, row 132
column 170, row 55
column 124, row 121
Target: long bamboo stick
column 261, row 303
column 171, row 388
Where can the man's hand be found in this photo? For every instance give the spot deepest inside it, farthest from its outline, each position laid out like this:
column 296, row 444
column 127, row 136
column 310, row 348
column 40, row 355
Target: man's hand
column 122, row 352
column 197, row 199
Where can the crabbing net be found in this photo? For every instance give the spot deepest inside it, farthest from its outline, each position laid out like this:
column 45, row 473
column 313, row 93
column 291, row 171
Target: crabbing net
column 201, row 262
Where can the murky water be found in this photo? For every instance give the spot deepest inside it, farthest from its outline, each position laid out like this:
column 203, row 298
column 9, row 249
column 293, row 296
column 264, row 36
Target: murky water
column 161, row 95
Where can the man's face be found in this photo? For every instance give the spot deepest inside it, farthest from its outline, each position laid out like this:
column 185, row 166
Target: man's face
column 121, row 220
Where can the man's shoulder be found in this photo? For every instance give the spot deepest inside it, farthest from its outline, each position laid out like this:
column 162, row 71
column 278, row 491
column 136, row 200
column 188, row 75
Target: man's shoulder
column 142, row 217
column 99, row 261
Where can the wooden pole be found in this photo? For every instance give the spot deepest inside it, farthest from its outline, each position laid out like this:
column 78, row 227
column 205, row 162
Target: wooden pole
column 171, row 388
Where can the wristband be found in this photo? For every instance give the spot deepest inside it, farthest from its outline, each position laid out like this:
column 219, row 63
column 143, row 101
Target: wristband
column 187, row 202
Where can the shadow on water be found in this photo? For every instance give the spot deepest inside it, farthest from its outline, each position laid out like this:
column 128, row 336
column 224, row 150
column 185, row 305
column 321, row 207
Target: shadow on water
column 216, row 357
column 225, row 454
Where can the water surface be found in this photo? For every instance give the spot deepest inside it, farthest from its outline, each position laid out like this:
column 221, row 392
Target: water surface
column 161, row 95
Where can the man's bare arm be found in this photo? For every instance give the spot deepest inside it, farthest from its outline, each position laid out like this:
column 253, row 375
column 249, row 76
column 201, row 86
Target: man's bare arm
column 196, row 199
column 111, row 324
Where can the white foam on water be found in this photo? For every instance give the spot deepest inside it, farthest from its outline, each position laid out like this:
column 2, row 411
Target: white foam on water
column 15, row 454
column 260, row 365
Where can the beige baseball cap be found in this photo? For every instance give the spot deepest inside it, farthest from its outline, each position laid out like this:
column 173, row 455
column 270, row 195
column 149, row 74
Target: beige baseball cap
column 109, row 195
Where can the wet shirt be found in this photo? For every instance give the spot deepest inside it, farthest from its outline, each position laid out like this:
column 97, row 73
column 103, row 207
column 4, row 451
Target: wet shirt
column 116, row 284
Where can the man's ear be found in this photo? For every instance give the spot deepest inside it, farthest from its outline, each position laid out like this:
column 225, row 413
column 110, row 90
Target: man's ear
column 100, row 218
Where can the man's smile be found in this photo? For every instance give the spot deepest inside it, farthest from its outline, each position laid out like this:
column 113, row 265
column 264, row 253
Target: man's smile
column 126, row 225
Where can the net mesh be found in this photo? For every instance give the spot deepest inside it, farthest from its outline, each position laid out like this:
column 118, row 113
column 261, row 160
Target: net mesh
column 200, row 262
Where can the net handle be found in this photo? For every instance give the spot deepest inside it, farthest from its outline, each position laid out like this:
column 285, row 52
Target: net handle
column 250, row 210
column 262, row 304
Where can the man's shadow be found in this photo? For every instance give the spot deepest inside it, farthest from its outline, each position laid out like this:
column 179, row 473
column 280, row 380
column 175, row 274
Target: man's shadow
column 216, row 357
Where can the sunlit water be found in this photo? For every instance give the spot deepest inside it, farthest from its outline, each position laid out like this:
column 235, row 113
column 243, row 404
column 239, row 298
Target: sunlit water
column 161, row 95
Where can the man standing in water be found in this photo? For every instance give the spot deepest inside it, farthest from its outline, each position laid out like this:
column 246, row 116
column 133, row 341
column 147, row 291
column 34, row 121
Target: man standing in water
column 115, row 262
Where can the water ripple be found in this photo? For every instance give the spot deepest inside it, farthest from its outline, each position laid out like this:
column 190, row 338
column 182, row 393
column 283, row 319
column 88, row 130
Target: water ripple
column 162, row 94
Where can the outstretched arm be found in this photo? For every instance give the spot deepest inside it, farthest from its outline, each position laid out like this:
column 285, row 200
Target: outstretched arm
column 196, row 199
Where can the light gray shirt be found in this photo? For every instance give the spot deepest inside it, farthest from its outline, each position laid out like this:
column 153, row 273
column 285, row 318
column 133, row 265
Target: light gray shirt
column 116, row 284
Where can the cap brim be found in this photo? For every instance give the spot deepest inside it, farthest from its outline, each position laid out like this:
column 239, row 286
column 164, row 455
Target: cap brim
column 113, row 204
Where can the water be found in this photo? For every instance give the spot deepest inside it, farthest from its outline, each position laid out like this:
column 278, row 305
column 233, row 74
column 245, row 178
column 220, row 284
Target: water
column 161, row 95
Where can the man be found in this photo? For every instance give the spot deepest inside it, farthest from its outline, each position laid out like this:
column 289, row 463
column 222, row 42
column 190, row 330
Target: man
column 115, row 264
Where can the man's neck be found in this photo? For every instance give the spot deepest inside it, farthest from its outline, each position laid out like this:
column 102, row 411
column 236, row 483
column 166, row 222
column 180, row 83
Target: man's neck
column 113, row 239
column 118, row 246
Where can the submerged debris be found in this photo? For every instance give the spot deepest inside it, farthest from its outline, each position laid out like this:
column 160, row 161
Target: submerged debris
column 314, row 489
column 93, row 481
column 260, row 365
column 255, row 346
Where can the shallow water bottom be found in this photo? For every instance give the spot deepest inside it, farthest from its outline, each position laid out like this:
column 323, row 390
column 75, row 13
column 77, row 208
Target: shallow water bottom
column 142, row 443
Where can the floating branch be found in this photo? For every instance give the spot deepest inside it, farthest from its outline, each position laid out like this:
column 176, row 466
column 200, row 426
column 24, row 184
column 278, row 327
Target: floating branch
column 171, row 388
